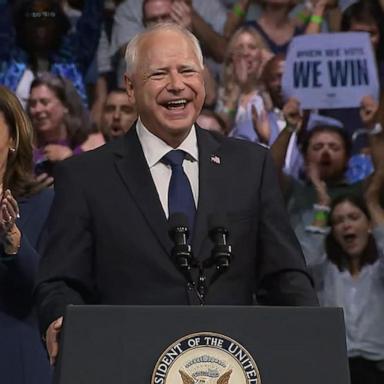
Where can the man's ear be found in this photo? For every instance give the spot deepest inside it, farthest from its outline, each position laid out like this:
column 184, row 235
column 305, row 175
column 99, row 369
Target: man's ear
column 129, row 87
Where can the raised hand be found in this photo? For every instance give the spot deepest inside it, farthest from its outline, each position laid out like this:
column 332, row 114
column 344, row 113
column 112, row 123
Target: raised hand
column 240, row 69
column 369, row 109
column 10, row 234
column 260, row 124
column 313, row 174
column 9, row 212
column 181, row 13
column 292, row 114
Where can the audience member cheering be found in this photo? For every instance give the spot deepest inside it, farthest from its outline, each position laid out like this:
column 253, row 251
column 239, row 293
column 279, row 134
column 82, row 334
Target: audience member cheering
column 24, row 209
column 327, row 149
column 361, row 16
column 275, row 25
column 60, row 122
column 348, row 270
column 119, row 113
column 241, row 92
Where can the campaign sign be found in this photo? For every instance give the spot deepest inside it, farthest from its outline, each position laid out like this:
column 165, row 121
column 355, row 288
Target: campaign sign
column 330, row 70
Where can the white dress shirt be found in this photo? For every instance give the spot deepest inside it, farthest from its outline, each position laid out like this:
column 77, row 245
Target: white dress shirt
column 154, row 149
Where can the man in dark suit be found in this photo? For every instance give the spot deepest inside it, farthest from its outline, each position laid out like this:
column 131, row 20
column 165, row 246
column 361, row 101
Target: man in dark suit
column 108, row 231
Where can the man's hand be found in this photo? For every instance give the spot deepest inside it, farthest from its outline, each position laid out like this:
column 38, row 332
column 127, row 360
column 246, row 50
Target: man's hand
column 369, row 109
column 292, row 114
column 313, row 174
column 52, row 339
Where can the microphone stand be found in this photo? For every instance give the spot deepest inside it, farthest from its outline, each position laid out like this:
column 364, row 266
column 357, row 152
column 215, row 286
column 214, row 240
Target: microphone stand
column 202, row 287
column 183, row 257
column 221, row 254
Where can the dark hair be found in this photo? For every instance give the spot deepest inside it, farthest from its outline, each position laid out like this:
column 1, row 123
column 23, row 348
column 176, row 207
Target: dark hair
column 334, row 251
column 366, row 12
column 77, row 121
column 117, row 90
column 18, row 176
column 24, row 10
column 307, row 136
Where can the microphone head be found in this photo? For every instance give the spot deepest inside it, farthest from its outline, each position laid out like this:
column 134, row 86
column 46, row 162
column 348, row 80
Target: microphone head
column 177, row 223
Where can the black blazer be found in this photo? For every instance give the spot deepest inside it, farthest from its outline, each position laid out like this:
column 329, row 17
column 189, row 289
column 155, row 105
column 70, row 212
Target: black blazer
column 108, row 234
column 22, row 356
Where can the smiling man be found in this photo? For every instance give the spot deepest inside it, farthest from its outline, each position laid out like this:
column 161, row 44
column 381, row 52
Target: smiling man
column 108, row 230
column 167, row 80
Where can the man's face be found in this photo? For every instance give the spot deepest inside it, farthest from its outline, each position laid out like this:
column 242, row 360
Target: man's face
column 157, row 11
column 119, row 113
column 273, row 83
column 326, row 150
column 167, row 85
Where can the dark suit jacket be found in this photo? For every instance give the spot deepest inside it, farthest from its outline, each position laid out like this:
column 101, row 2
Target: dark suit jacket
column 108, row 235
column 22, row 355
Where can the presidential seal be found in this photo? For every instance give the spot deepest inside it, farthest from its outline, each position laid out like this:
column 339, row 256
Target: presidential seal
column 206, row 358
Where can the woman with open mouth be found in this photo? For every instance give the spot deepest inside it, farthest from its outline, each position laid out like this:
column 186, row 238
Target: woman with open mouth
column 348, row 269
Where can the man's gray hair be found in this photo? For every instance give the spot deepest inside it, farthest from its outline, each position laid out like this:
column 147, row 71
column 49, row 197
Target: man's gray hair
column 131, row 52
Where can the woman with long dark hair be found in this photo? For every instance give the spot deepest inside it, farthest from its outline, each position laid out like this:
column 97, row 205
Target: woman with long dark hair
column 24, row 209
column 349, row 272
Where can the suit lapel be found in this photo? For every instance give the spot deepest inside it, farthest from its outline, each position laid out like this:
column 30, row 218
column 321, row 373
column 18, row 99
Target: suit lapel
column 133, row 169
column 135, row 174
column 210, row 181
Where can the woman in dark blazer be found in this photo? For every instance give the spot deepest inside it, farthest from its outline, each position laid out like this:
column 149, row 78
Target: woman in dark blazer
column 24, row 208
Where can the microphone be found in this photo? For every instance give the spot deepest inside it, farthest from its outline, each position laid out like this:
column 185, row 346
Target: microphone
column 181, row 252
column 221, row 254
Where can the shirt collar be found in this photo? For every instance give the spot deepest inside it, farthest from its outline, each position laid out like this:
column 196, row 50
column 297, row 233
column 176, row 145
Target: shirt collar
column 154, row 148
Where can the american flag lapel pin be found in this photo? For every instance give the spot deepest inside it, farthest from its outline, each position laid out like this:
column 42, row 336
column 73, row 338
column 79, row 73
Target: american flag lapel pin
column 215, row 159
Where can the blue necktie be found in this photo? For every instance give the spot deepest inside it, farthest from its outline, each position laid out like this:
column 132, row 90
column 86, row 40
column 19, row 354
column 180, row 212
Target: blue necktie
column 180, row 196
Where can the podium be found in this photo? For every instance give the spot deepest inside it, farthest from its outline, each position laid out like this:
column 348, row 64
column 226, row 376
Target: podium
column 127, row 344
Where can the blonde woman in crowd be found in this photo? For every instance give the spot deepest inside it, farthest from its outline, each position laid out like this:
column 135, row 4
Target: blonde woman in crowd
column 241, row 95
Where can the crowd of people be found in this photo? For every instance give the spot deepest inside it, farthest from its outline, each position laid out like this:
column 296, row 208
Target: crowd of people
column 64, row 90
